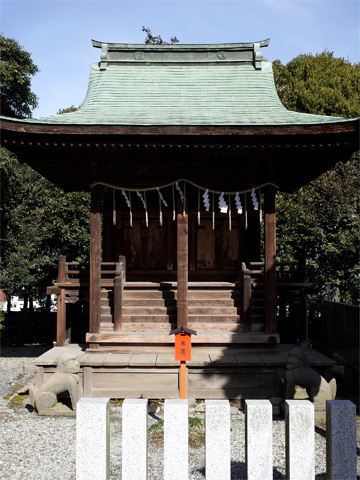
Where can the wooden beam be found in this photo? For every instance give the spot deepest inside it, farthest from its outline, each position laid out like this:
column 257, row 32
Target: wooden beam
column 95, row 259
column 270, row 262
column 182, row 269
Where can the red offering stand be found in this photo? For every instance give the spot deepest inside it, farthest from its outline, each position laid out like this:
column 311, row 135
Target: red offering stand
column 183, row 353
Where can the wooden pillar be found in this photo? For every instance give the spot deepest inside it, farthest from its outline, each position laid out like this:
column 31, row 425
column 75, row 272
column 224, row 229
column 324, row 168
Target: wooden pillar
column 95, row 259
column 270, row 264
column 61, row 319
column 246, row 300
column 182, row 270
column 108, row 245
column 61, row 307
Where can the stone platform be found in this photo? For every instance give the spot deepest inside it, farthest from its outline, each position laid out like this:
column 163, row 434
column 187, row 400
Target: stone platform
column 240, row 374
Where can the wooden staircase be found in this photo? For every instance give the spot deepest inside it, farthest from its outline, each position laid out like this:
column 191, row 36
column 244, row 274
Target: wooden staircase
column 151, row 307
column 215, row 312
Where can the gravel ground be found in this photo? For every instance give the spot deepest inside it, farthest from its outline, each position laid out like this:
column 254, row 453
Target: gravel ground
column 43, row 448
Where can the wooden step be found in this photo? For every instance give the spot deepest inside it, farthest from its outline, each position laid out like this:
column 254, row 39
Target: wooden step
column 173, row 285
column 104, row 293
column 149, row 302
column 106, row 327
column 214, row 318
column 167, row 327
column 212, row 302
column 210, row 311
column 215, row 327
column 106, row 303
column 212, row 294
column 148, row 311
column 149, row 318
column 151, row 294
column 148, row 327
column 106, row 310
column 192, row 294
column 164, row 338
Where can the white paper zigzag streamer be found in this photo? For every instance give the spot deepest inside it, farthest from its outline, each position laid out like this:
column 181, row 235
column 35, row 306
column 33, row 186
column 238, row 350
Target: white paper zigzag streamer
column 161, row 197
column 222, row 204
column 182, row 196
column 128, row 203
column 238, row 204
column 206, row 200
column 254, row 199
column 143, row 199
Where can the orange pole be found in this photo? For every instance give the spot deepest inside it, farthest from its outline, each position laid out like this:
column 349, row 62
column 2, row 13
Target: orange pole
column 182, row 380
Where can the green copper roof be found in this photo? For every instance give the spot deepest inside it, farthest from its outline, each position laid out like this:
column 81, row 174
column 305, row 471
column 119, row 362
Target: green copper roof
column 226, row 84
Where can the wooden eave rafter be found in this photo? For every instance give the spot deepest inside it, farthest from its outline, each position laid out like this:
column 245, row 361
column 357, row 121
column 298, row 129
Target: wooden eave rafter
column 73, row 157
column 21, row 134
column 7, row 126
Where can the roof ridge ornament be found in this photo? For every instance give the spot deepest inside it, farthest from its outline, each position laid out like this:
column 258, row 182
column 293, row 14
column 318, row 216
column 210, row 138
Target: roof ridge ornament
column 104, row 56
column 257, row 56
column 181, row 54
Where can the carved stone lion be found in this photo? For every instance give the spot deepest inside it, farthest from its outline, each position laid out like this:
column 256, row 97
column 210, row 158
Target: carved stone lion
column 298, row 372
column 65, row 379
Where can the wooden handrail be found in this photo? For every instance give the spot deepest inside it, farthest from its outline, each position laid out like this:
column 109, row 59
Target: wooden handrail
column 246, row 297
column 119, row 281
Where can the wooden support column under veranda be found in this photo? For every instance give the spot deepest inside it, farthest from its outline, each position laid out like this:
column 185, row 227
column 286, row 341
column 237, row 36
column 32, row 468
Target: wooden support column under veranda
column 95, row 261
column 270, row 259
column 182, row 269
column 61, row 307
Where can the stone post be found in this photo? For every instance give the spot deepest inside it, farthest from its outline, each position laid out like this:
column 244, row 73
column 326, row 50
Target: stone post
column 300, row 440
column 134, row 439
column 217, row 439
column 340, row 440
column 93, row 439
column 258, row 440
column 176, row 434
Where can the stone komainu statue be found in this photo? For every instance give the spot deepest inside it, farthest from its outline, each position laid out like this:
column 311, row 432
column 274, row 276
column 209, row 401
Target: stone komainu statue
column 64, row 379
column 298, row 372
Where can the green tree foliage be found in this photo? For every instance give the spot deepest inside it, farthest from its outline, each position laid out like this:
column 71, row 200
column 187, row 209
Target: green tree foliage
column 16, row 70
column 320, row 84
column 40, row 222
column 321, row 220
column 67, row 110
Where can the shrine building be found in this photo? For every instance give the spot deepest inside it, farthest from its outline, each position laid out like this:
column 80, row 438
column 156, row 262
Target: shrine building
column 183, row 148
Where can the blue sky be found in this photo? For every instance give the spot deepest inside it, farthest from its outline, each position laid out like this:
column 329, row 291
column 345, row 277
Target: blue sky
column 58, row 33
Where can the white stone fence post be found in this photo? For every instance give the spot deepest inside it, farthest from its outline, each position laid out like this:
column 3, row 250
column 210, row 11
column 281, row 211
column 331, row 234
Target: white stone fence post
column 93, row 440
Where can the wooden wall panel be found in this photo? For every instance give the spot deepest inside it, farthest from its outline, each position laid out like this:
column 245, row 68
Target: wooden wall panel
column 205, row 245
column 156, row 245
column 230, row 243
column 132, row 243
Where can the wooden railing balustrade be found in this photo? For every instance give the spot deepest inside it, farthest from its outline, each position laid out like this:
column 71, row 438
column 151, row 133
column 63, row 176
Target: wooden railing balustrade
column 291, row 294
column 72, row 277
column 291, row 297
column 75, row 273
column 119, row 282
column 245, row 285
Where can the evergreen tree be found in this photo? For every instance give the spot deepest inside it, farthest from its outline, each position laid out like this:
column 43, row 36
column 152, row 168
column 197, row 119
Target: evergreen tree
column 321, row 220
